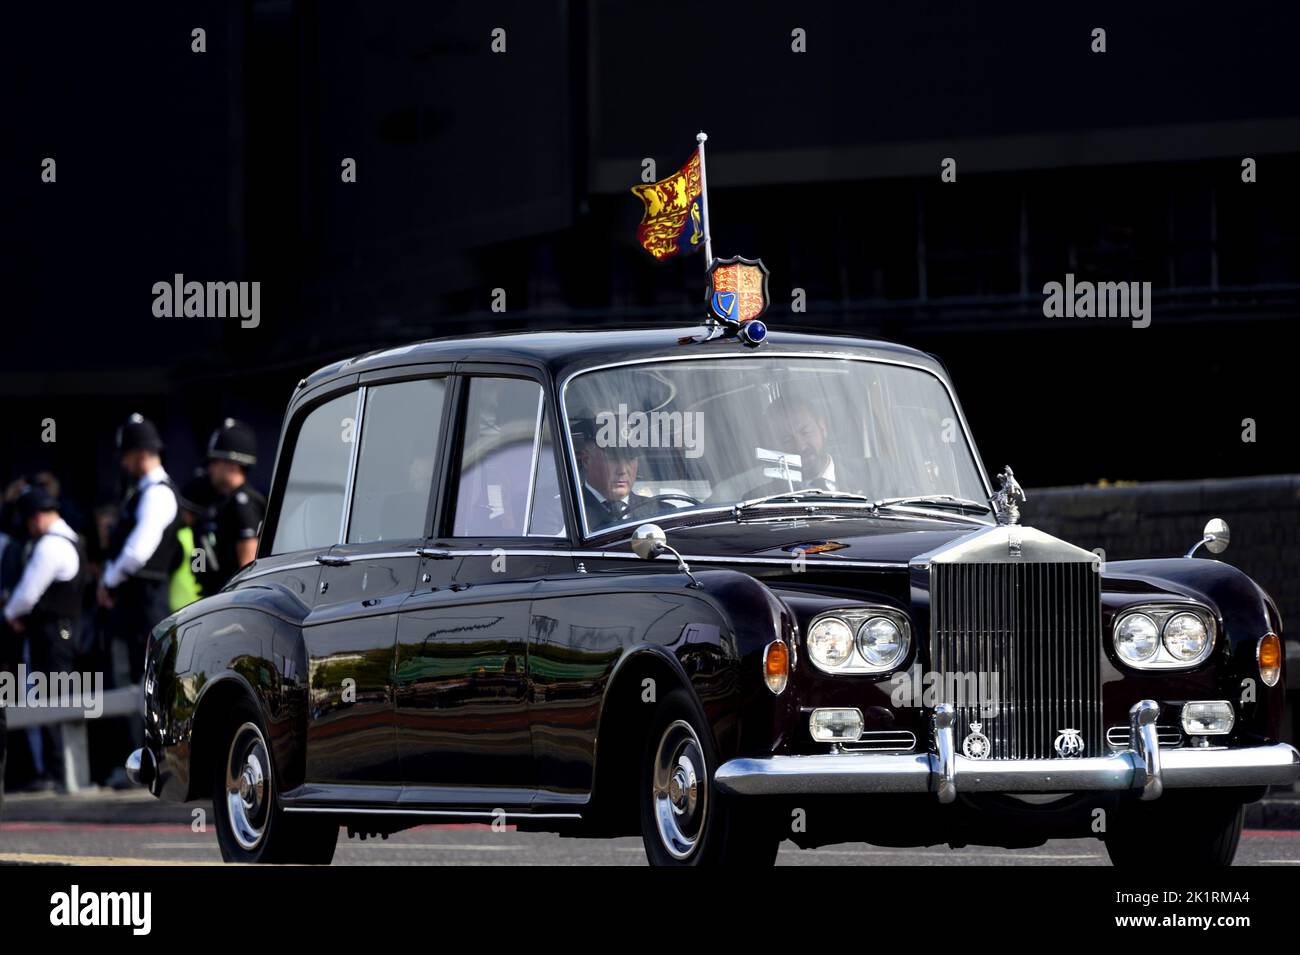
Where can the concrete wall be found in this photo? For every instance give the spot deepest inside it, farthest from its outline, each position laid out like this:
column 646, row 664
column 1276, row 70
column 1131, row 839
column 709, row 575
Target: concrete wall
column 1164, row 519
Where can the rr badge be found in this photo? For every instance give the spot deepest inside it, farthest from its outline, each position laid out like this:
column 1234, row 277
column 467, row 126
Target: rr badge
column 1069, row 744
column 976, row 745
column 738, row 289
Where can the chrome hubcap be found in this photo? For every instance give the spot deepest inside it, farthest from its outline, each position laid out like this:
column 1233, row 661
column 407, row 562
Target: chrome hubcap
column 248, row 786
column 680, row 790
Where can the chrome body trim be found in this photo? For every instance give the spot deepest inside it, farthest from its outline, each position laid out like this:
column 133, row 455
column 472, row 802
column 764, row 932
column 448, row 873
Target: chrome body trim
column 476, row 814
column 582, row 555
column 882, row 741
column 945, row 745
column 1146, row 746
column 767, row 561
column 1171, row 736
column 807, row 355
column 1007, row 544
column 296, row 565
column 859, row 773
column 358, row 424
column 532, row 467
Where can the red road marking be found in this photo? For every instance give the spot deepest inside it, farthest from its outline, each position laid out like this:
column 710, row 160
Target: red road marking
column 174, row 827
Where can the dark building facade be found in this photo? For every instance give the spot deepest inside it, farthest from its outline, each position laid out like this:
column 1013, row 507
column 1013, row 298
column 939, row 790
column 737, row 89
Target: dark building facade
column 479, row 170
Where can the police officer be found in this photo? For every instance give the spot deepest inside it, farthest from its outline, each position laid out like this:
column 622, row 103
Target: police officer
column 144, row 548
column 232, row 523
column 45, row 606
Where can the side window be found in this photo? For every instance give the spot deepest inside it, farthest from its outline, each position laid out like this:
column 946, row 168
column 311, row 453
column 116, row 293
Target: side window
column 508, row 486
column 399, row 445
column 311, row 507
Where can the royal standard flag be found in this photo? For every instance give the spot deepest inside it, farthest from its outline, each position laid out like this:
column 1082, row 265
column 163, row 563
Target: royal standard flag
column 674, row 217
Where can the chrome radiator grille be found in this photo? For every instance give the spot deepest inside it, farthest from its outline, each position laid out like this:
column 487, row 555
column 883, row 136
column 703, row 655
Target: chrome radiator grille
column 1038, row 627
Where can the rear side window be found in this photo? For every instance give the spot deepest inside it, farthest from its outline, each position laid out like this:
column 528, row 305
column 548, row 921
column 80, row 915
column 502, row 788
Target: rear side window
column 399, row 444
column 311, row 508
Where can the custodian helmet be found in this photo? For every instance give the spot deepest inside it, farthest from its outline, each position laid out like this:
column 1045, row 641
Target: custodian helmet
column 233, row 441
column 138, row 434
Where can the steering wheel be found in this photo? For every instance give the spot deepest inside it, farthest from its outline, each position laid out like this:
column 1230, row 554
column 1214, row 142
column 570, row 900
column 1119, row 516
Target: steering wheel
column 656, row 498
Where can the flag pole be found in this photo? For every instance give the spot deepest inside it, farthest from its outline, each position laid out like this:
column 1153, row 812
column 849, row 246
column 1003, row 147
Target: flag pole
column 702, row 137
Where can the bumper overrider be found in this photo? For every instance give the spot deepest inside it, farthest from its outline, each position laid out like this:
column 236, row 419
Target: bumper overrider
column 1145, row 768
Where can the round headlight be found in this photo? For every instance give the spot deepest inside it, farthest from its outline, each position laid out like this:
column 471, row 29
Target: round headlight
column 830, row 641
column 1185, row 636
column 1136, row 638
column 881, row 642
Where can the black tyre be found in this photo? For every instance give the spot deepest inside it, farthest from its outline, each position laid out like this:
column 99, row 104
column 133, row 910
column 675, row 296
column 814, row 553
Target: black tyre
column 252, row 827
column 1185, row 828
column 684, row 819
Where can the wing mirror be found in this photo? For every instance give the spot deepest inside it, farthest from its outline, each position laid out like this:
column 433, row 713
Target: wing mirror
column 1215, row 538
column 649, row 541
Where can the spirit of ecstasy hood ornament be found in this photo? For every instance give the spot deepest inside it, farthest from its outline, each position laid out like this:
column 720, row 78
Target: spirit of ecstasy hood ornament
column 1006, row 501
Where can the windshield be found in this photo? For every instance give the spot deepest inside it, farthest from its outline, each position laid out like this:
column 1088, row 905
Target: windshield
column 655, row 438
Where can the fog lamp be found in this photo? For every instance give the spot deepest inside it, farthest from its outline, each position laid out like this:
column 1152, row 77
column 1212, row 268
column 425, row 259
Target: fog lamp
column 1208, row 718
column 835, row 725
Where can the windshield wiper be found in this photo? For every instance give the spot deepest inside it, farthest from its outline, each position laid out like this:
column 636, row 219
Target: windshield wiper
column 801, row 495
column 934, row 500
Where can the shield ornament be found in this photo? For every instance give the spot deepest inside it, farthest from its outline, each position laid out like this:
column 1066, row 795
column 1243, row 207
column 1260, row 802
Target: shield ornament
column 737, row 289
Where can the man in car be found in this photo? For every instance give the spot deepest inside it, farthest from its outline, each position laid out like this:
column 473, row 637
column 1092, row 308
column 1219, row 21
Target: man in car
column 798, row 429
column 608, row 475
column 805, row 434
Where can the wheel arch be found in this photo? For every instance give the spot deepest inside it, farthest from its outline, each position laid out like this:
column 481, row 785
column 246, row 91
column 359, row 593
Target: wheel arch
column 212, row 712
column 625, row 718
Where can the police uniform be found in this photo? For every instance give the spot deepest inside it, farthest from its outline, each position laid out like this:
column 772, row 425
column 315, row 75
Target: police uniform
column 232, row 517
column 144, row 548
column 48, row 601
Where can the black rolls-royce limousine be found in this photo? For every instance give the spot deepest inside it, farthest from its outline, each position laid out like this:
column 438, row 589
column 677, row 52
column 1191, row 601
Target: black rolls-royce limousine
column 717, row 592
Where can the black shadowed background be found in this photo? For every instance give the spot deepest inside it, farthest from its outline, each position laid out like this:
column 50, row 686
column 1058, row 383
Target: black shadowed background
column 479, row 170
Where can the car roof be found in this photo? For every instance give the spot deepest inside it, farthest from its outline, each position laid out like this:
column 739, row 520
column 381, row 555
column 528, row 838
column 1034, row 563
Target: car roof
column 563, row 353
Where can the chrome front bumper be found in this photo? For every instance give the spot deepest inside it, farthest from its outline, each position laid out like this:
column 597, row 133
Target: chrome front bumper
column 1146, row 768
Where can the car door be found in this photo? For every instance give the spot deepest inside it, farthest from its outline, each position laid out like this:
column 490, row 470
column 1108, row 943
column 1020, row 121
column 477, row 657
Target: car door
column 462, row 648
column 309, row 487
column 364, row 579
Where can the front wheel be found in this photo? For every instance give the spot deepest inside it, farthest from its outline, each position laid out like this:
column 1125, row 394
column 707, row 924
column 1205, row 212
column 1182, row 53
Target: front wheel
column 684, row 819
column 1187, row 827
column 251, row 825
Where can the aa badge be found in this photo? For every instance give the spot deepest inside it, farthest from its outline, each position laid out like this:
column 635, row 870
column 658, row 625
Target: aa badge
column 738, row 289
column 1069, row 744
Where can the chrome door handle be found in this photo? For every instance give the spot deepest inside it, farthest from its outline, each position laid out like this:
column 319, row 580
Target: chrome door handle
column 434, row 553
column 332, row 560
